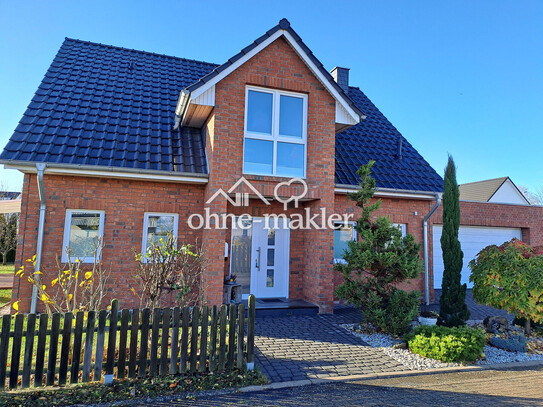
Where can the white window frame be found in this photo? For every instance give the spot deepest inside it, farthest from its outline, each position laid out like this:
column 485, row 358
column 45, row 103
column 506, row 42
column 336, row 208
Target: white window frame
column 275, row 137
column 402, row 227
column 146, row 216
column 67, row 230
column 355, row 237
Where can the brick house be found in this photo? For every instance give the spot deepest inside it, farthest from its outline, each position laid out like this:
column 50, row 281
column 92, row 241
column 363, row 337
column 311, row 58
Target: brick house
column 129, row 145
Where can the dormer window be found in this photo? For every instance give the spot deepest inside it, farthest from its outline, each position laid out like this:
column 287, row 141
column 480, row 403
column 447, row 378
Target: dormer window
column 275, row 133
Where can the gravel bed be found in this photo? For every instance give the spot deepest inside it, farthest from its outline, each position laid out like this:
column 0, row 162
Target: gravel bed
column 413, row 361
column 496, row 355
column 385, row 344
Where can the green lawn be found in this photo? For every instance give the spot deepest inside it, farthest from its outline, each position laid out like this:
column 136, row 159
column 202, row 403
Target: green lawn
column 5, row 297
column 7, row 269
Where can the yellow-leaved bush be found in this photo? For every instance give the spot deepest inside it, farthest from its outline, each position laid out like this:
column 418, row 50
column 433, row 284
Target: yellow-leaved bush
column 75, row 286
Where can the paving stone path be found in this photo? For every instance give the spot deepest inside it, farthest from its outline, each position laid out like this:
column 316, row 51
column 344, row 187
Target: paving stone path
column 298, row 348
column 477, row 311
column 520, row 387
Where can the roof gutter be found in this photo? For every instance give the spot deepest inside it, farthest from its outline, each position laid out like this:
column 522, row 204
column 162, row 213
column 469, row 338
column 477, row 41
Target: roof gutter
column 181, row 108
column 384, row 192
column 40, row 167
column 425, row 233
column 109, row 172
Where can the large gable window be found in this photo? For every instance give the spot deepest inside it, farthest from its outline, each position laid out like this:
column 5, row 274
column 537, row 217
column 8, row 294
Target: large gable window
column 275, row 133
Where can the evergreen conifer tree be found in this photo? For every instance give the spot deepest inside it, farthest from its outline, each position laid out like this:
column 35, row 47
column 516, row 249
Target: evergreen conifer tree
column 452, row 304
column 377, row 263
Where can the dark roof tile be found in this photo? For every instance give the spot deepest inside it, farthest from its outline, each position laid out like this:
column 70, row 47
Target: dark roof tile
column 375, row 138
column 94, row 92
column 109, row 106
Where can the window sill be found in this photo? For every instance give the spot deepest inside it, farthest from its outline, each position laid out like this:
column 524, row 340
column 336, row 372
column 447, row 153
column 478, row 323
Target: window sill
column 260, row 177
column 86, row 260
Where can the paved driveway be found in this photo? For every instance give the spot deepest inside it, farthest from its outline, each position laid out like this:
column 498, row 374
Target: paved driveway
column 297, row 348
column 462, row 389
column 477, row 311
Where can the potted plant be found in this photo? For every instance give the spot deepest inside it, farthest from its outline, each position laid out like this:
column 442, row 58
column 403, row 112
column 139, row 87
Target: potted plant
column 428, row 317
column 230, row 279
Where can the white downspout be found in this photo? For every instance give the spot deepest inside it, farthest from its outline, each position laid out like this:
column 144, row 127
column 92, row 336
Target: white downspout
column 40, row 167
column 425, row 226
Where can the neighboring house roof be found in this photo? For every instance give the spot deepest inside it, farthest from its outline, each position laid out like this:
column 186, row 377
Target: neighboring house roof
column 10, row 202
column 9, row 195
column 11, row 206
column 103, row 106
column 107, row 106
column 397, row 164
column 490, row 191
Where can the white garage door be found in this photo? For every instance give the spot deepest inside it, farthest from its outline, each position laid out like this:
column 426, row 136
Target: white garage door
column 472, row 240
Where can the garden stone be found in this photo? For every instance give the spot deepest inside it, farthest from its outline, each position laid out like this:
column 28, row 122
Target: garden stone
column 400, row 345
column 496, row 324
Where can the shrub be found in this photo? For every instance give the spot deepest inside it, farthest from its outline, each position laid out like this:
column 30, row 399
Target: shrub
column 167, row 268
column 455, row 344
column 401, row 310
column 75, row 286
column 510, row 277
column 377, row 263
column 514, row 343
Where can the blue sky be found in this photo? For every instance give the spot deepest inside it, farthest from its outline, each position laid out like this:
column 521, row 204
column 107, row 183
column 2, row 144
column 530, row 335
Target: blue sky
column 462, row 77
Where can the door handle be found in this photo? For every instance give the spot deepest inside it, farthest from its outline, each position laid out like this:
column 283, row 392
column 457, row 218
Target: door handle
column 257, row 260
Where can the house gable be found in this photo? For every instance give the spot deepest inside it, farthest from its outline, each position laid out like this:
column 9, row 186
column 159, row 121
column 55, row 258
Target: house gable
column 277, row 67
column 197, row 100
column 508, row 193
column 496, row 190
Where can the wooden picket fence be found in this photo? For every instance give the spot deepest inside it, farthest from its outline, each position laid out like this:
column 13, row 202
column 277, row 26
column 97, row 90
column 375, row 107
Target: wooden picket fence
column 38, row 350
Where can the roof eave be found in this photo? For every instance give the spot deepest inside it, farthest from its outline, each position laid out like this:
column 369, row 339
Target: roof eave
column 347, row 188
column 105, row 171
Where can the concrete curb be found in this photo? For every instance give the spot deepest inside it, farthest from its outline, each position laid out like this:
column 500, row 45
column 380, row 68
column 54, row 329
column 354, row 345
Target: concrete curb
column 387, row 375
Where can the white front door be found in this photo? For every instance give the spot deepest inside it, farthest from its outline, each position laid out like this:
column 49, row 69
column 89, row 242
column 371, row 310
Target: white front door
column 270, row 258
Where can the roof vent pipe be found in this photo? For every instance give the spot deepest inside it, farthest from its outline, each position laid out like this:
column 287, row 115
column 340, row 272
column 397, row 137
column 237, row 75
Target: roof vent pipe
column 400, row 147
column 40, row 167
column 341, row 76
column 425, row 226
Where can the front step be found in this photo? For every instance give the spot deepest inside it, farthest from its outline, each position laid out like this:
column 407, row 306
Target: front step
column 283, row 307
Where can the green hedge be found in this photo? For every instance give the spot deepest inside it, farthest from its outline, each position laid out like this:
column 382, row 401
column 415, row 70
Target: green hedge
column 461, row 344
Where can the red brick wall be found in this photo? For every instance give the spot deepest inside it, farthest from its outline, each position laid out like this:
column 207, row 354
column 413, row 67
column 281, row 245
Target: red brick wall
column 408, row 211
column 528, row 218
column 277, row 67
column 124, row 203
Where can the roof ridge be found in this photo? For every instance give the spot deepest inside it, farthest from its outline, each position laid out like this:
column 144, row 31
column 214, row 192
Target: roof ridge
column 138, row 51
column 484, row 180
